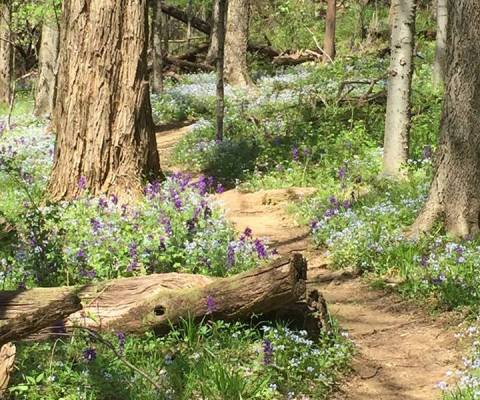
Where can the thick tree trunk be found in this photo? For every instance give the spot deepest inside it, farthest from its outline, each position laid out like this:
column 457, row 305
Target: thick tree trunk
column 5, row 53
column 158, row 301
column 213, row 49
column 47, row 69
column 455, row 191
column 157, row 48
column 397, row 122
column 236, row 40
column 220, row 32
column 441, row 43
column 330, row 21
column 103, row 114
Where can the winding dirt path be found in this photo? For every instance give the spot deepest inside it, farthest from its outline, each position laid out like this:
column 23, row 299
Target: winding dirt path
column 401, row 352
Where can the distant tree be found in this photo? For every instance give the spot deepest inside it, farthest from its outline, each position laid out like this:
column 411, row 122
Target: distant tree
column 47, row 68
column 220, row 31
column 330, row 23
column 236, row 41
column 6, row 52
column 441, row 43
column 398, row 121
column 213, row 48
column 455, row 191
column 102, row 117
column 157, row 47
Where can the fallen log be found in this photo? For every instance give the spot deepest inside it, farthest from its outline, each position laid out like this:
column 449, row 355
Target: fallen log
column 188, row 65
column 135, row 305
column 203, row 26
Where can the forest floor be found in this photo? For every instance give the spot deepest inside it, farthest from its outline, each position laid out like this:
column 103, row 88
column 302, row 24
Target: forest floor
column 402, row 353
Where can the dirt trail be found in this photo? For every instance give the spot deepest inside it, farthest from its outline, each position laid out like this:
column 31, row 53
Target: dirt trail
column 401, row 352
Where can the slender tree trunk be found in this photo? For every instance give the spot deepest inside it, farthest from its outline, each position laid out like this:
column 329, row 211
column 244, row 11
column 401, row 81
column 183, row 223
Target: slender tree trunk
column 455, row 191
column 213, row 49
column 397, row 123
column 157, row 47
column 189, row 23
column 441, row 45
column 220, row 29
column 5, row 53
column 103, row 116
column 236, row 41
column 45, row 91
column 330, row 21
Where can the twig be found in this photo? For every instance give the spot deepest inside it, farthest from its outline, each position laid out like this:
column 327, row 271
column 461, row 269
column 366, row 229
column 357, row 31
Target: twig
column 318, row 45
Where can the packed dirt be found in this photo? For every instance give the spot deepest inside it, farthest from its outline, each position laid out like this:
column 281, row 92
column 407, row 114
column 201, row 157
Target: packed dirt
column 402, row 353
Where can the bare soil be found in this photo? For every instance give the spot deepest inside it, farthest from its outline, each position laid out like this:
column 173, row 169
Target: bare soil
column 402, row 353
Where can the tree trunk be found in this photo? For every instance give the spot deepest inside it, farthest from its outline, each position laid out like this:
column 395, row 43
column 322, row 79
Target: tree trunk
column 157, row 301
column 157, row 48
column 330, row 21
column 213, row 49
column 455, row 191
column 441, row 43
column 7, row 364
column 397, row 122
column 46, row 84
column 220, row 32
column 5, row 53
column 236, row 40
column 103, row 115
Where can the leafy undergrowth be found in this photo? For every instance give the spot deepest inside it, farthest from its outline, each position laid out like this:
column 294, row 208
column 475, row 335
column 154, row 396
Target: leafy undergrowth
column 175, row 227
column 210, row 360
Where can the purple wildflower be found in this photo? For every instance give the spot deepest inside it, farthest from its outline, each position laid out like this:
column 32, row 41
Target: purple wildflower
column 82, row 183
column 89, row 354
column 295, row 153
column 114, row 199
column 167, row 225
column 427, row 152
column 267, row 352
column 220, row 189
column 347, row 204
column 96, row 225
column 439, row 280
column 230, row 255
column 424, row 261
column 121, row 341
column 314, row 225
column 211, row 304
column 330, row 212
column 342, row 172
column 102, row 203
column 260, row 248
column 81, row 255
column 247, row 232
column 333, row 201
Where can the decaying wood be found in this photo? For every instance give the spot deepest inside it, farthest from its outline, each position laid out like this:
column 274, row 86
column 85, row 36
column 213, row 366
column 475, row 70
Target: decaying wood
column 188, row 65
column 203, row 26
column 158, row 301
column 7, row 359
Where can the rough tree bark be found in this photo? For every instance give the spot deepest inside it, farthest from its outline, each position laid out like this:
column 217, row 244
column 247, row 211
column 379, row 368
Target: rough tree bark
column 397, row 122
column 213, row 48
column 441, row 43
column 47, row 69
column 157, row 47
column 330, row 21
column 236, row 41
column 455, row 191
column 102, row 115
column 158, row 301
column 5, row 53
